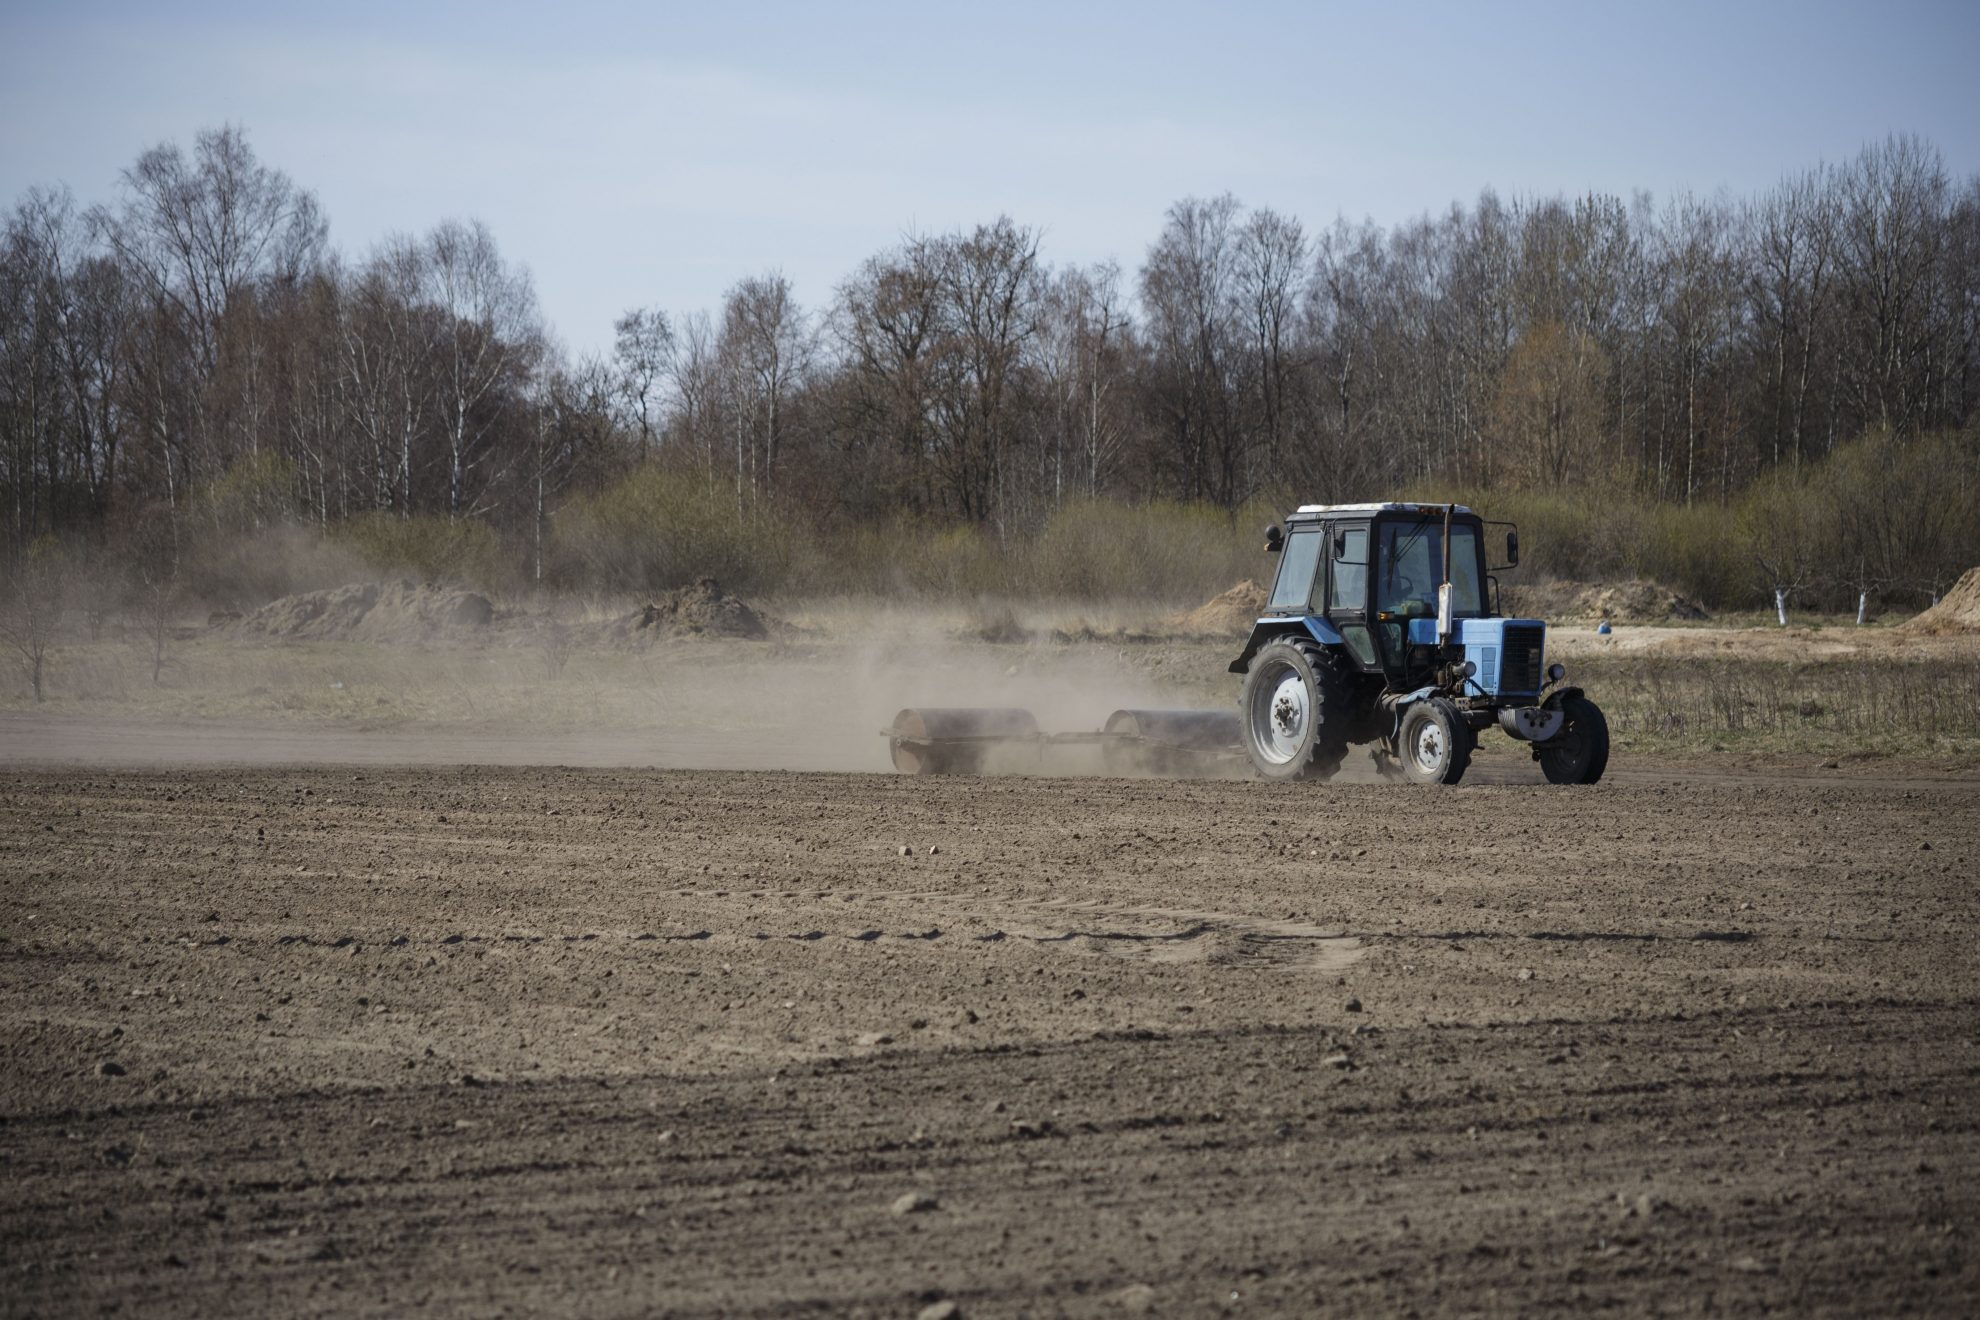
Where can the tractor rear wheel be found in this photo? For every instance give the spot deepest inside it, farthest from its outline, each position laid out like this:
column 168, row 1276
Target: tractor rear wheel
column 1435, row 743
column 1579, row 753
column 1296, row 710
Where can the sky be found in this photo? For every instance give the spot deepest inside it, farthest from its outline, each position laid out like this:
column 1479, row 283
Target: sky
column 650, row 155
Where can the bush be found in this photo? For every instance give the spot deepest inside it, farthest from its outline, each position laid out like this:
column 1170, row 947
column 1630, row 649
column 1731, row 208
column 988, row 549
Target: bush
column 1100, row 550
column 656, row 529
column 459, row 551
column 241, row 570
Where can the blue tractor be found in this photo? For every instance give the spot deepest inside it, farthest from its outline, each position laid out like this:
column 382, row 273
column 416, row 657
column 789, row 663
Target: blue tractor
column 1379, row 630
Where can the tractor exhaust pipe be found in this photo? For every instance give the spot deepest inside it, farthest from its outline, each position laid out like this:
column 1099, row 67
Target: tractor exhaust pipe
column 1444, row 588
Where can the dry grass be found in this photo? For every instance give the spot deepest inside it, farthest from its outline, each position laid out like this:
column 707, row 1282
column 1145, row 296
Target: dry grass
column 1883, row 703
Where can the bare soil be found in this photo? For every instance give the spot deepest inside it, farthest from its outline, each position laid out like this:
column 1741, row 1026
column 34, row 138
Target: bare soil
column 510, row 1039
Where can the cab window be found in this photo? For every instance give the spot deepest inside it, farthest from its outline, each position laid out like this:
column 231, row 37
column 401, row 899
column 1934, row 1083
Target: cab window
column 1349, row 590
column 1297, row 563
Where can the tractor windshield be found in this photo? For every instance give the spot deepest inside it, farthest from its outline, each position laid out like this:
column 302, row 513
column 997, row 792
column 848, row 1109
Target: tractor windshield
column 1411, row 565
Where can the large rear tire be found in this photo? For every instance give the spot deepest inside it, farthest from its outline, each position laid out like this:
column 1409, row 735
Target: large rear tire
column 1295, row 710
column 1579, row 753
column 1435, row 743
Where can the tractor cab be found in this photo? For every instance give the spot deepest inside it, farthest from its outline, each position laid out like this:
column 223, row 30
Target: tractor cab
column 1368, row 571
column 1370, row 578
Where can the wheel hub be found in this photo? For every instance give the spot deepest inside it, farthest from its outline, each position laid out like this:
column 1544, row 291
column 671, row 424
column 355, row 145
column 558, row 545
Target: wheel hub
column 1280, row 719
column 1430, row 746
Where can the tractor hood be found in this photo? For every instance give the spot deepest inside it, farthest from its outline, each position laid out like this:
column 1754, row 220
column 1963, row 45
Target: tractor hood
column 1510, row 654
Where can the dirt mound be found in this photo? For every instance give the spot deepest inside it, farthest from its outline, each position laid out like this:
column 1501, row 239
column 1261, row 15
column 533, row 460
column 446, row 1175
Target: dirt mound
column 1957, row 612
column 1619, row 602
column 999, row 626
column 371, row 612
column 701, row 610
column 1226, row 615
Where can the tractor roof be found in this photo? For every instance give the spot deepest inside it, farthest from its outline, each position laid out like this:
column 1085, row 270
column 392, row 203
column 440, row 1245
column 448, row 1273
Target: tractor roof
column 1319, row 509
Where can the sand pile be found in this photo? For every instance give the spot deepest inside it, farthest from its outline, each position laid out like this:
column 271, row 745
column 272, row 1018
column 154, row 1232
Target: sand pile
column 701, row 610
column 1957, row 612
column 1228, row 615
column 1621, row 602
column 371, row 612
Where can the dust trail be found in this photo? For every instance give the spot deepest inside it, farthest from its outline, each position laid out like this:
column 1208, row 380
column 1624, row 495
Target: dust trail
column 555, row 687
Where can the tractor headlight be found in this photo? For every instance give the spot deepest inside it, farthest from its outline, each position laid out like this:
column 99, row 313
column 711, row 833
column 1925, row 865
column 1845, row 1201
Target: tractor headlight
column 1556, row 672
column 1467, row 669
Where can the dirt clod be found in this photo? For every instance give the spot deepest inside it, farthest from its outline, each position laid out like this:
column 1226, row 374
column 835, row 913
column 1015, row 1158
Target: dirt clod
column 914, row 1203
column 110, row 1068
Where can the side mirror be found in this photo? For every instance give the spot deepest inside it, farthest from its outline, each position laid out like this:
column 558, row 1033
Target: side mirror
column 1512, row 549
column 1275, row 540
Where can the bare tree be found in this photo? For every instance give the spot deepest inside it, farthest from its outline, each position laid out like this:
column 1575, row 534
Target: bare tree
column 887, row 326
column 388, row 342
column 31, row 612
column 1893, row 229
column 694, row 372
column 572, row 424
column 642, row 347
column 1270, row 277
column 1696, row 315
column 1347, row 309
column 1188, row 293
column 1550, row 407
column 199, row 233
column 1794, row 232
column 200, row 230
column 765, row 348
column 490, row 340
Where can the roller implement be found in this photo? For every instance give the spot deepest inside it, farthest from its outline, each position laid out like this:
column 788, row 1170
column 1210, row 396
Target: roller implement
column 1382, row 629
column 952, row 741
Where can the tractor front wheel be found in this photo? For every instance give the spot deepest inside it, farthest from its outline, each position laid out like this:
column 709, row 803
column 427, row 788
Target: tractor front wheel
column 1579, row 753
column 1435, row 743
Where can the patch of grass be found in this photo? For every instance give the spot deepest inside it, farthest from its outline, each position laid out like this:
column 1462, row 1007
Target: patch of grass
column 1825, row 707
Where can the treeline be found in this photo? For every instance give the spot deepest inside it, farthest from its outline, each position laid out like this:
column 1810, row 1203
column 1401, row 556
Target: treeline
column 191, row 361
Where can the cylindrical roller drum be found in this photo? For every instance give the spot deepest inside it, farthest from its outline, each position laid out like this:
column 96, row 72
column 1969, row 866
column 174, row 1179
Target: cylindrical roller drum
column 1169, row 741
column 957, row 740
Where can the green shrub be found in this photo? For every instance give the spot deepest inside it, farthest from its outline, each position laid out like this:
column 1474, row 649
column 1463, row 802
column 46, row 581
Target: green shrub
column 429, row 547
column 655, row 529
column 1104, row 550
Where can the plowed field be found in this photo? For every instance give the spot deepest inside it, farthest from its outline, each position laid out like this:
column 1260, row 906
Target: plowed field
column 513, row 1040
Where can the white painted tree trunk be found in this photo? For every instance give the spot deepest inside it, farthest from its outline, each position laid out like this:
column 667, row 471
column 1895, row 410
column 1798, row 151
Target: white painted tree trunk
column 1780, row 605
column 1862, row 606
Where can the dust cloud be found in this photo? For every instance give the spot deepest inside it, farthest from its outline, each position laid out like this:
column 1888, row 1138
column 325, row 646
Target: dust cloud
column 316, row 681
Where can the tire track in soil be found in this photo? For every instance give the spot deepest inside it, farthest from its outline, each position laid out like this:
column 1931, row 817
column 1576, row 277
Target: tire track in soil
column 1160, row 934
column 1559, row 1097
